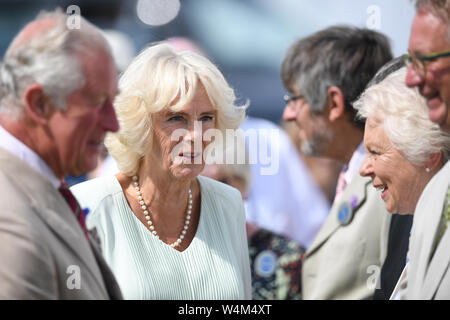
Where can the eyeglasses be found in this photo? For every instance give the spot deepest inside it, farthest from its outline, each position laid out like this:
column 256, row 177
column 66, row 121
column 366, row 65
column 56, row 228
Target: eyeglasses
column 419, row 63
column 288, row 98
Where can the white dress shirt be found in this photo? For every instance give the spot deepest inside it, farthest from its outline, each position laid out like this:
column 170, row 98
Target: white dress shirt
column 20, row 150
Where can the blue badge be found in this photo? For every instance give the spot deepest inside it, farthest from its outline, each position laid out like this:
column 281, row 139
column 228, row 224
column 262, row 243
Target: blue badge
column 345, row 213
column 265, row 263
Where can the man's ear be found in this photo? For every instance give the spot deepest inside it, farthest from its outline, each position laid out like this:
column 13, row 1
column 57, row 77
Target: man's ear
column 336, row 103
column 37, row 104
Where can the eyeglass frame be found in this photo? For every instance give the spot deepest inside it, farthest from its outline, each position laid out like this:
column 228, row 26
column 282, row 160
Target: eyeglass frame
column 288, row 98
column 424, row 59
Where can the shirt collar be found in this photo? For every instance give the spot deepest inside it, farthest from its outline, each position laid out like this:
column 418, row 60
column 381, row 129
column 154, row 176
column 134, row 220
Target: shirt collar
column 23, row 152
column 355, row 163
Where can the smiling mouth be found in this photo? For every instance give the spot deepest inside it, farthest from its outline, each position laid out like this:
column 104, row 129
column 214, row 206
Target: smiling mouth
column 433, row 101
column 384, row 189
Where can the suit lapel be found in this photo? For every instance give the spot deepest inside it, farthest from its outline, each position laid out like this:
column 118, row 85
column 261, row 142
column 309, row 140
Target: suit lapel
column 439, row 260
column 48, row 203
column 354, row 195
column 437, row 267
column 111, row 284
column 427, row 217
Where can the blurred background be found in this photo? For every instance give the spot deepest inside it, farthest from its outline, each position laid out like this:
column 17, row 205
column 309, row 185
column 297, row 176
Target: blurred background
column 246, row 39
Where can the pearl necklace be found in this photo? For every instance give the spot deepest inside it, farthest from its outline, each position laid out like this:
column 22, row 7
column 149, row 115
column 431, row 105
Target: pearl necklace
column 146, row 212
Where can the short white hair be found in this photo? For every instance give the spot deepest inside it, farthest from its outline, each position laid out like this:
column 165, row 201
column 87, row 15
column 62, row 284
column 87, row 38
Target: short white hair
column 160, row 78
column 403, row 113
column 51, row 58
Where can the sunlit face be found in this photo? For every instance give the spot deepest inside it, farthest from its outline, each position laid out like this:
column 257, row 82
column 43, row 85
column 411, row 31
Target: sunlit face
column 399, row 181
column 315, row 135
column 178, row 144
column 429, row 35
column 77, row 133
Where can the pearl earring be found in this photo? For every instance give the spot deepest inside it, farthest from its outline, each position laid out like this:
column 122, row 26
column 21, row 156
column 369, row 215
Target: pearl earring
column 427, row 169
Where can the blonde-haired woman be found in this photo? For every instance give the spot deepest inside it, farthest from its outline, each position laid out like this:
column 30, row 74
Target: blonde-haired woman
column 166, row 232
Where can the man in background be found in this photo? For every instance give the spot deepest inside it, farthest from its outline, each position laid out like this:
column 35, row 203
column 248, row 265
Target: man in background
column 427, row 274
column 324, row 74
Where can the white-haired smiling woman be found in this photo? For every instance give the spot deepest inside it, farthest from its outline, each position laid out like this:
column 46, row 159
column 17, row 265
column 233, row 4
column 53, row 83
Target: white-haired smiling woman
column 404, row 148
column 166, row 232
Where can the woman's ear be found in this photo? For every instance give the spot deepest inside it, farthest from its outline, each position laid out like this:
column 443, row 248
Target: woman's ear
column 433, row 161
column 336, row 103
column 37, row 104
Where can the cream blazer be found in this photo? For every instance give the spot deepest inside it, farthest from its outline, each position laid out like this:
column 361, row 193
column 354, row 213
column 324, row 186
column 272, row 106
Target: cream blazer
column 43, row 251
column 344, row 260
column 428, row 277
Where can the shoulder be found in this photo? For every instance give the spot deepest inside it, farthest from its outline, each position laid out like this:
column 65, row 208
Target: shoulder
column 217, row 189
column 440, row 181
column 435, row 192
column 364, row 203
column 362, row 188
column 93, row 192
column 220, row 196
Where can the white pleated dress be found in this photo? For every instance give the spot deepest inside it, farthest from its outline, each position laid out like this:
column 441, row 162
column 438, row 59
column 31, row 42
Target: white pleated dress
column 214, row 266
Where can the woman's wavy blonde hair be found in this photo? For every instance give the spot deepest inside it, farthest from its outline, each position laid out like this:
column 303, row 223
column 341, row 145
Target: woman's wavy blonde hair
column 161, row 78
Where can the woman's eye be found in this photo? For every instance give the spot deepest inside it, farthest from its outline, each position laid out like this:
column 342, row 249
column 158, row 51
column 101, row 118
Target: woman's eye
column 207, row 118
column 176, row 118
column 373, row 153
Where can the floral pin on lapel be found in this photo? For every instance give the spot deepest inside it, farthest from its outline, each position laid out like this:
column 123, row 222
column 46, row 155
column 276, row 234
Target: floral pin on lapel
column 346, row 210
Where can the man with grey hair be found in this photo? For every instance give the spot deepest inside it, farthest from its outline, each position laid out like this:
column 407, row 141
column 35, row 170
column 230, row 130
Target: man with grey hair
column 324, row 73
column 427, row 275
column 56, row 91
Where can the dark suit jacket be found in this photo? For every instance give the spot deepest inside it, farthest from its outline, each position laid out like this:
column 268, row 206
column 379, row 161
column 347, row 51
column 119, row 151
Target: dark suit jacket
column 399, row 233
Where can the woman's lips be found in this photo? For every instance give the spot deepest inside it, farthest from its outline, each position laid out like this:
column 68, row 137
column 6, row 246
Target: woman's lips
column 190, row 156
column 434, row 102
column 384, row 193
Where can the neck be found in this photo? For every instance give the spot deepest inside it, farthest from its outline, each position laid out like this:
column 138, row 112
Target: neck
column 347, row 141
column 162, row 191
column 34, row 137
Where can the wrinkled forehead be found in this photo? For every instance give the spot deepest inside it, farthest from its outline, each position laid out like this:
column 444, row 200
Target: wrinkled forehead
column 429, row 33
column 375, row 120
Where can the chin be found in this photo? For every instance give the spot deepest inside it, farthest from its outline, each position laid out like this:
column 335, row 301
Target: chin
column 89, row 165
column 188, row 172
column 400, row 211
column 308, row 149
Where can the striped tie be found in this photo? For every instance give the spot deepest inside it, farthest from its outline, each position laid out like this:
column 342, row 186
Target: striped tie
column 74, row 206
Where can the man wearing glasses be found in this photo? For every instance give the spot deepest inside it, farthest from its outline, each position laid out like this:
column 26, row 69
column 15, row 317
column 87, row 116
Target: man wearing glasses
column 324, row 74
column 427, row 275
